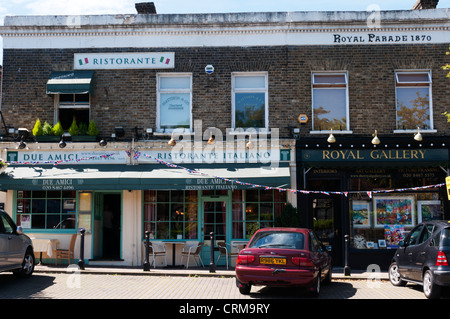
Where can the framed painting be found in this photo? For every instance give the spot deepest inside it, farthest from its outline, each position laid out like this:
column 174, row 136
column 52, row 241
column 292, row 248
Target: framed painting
column 394, row 210
column 361, row 214
column 429, row 210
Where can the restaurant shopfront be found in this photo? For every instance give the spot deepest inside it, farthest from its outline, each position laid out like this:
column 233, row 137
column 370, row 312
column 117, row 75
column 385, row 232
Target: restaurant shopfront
column 117, row 194
column 373, row 194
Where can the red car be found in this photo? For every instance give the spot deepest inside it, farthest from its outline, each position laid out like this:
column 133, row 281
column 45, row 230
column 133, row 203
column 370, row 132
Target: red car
column 283, row 257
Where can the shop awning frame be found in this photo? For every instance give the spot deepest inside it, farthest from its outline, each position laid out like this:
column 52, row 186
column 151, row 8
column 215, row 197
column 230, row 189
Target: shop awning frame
column 140, row 177
column 70, row 82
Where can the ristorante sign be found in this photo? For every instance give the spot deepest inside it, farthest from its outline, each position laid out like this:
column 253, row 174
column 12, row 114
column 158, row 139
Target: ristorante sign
column 129, row 60
column 375, row 155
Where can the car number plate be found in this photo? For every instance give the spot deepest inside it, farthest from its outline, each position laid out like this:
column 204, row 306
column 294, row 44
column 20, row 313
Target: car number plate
column 272, row 260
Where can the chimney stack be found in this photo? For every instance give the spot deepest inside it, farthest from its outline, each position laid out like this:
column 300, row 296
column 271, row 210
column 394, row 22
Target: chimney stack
column 145, row 8
column 425, row 4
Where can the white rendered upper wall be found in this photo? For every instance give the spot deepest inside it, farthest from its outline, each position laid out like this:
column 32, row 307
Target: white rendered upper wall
column 227, row 29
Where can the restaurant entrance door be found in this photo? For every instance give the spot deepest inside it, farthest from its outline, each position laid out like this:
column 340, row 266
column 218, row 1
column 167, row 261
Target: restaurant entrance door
column 107, row 226
column 215, row 217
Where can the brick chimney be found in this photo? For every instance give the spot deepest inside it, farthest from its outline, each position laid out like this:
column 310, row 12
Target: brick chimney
column 425, row 4
column 145, row 8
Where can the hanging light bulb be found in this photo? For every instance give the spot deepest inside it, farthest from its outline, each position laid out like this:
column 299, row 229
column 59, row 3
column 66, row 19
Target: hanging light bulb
column 249, row 144
column 418, row 136
column 331, row 138
column 211, row 139
column 172, row 141
column 375, row 140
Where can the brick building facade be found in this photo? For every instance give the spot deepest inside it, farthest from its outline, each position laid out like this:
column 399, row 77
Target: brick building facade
column 287, row 52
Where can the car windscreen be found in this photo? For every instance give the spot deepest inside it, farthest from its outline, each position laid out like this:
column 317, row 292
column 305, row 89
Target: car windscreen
column 276, row 239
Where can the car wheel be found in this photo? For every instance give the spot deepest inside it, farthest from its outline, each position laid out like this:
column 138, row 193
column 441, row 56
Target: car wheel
column 430, row 289
column 328, row 278
column 394, row 275
column 27, row 265
column 315, row 288
column 243, row 288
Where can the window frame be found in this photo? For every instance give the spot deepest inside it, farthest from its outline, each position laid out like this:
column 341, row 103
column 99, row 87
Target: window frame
column 331, row 86
column 183, row 90
column 26, row 201
column 74, row 105
column 264, row 90
column 414, row 84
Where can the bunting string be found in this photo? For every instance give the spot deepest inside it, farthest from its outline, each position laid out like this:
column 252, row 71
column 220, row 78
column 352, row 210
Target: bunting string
column 57, row 162
column 136, row 155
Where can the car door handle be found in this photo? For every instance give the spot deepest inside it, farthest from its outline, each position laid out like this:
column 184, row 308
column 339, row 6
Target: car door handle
column 409, row 254
column 422, row 253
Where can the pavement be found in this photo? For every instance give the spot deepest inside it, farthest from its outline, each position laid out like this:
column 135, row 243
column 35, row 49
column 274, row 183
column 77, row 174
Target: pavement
column 338, row 272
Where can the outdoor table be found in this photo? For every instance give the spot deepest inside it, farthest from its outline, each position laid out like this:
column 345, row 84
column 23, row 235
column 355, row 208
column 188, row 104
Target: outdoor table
column 47, row 245
column 173, row 243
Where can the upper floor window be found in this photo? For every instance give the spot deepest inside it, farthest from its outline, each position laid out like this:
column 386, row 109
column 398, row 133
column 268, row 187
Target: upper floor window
column 413, row 100
column 250, row 100
column 174, row 108
column 330, row 101
column 72, row 107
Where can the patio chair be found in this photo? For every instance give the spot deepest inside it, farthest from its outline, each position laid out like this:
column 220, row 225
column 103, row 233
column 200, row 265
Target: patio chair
column 225, row 252
column 192, row 249
column 66, row 253
column 157, row 250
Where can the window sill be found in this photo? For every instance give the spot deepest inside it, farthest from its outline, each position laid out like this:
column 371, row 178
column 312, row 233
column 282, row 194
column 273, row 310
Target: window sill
column 177, row 132
column 414, row 131
column 248, row 131
column 329, row 131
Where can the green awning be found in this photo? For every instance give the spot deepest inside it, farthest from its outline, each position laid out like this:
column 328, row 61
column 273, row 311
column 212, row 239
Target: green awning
column 70, row 82
column 141, row 177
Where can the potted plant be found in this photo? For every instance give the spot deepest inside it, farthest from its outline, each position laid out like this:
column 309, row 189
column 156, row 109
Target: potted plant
column 3, row 165
column 84, row 133
column 57, row 129
column 37, row 129
column 44, row 133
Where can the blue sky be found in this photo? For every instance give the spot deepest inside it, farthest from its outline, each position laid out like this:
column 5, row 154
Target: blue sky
column 82, row 7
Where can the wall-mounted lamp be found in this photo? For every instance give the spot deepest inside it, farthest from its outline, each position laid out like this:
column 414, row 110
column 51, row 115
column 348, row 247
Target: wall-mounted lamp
column 119, row 131
column 249, row 145
column 331, row 138
column 61, row 143
column 375, row 140
column 418, row 136
column 172, row 141
column 22, row 144
column 211, row 139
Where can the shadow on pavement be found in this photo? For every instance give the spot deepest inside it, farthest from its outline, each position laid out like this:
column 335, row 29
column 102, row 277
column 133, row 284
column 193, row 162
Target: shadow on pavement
column 335, row 290
column 24, row 287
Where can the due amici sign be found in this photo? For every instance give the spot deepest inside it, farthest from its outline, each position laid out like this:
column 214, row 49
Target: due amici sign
column 127, row 60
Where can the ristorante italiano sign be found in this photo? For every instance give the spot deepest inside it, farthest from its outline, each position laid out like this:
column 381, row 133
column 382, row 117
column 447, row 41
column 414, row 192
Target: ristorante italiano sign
column 128, row 60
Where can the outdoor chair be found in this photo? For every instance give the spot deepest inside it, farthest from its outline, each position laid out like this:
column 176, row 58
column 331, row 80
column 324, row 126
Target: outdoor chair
column 192, row 249
column 67, row 253
column 225, row 252
column 157, row 250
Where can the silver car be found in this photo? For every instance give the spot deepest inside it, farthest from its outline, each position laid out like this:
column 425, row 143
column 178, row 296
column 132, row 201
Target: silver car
column 16, row 249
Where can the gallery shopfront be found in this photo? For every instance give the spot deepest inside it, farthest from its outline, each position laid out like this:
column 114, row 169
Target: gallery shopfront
column 372, row 193
column 117, row 194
